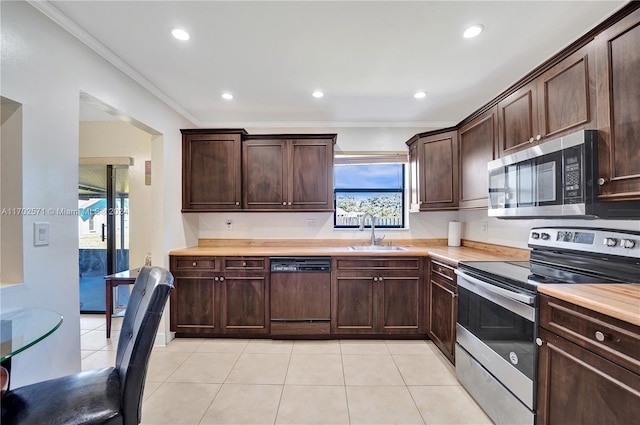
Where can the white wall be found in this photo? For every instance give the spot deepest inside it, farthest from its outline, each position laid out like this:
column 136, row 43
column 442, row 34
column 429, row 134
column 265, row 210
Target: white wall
column 44, row 68
column 120, row 139
column 516, row 232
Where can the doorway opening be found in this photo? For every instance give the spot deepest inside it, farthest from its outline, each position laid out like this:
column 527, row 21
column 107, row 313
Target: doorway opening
column 103, row 228
column 115, row 209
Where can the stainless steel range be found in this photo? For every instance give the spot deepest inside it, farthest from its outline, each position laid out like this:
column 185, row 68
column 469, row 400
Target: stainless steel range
column 497, row 327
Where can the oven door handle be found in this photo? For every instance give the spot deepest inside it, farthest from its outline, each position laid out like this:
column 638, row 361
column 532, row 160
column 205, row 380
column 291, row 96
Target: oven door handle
column 523, row 298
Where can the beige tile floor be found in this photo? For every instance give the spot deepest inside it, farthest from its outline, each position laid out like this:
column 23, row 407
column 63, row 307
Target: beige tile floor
column 240, row 381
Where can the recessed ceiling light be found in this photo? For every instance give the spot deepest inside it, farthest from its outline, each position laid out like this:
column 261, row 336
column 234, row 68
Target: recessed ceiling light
column 180, row 34
column 317, row 93
column 420, row 95
column 473, row 31
column 227, row 96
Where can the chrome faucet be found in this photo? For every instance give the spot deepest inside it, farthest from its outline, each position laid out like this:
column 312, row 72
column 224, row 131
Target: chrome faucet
column 374, row 240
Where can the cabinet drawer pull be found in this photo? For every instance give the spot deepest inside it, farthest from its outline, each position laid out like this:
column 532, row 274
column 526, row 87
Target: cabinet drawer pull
column 195, row 264
column 244, row 264
column 599, row 336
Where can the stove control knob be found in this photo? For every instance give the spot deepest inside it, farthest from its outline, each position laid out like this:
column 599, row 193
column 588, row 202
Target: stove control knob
column 535, row 235
column 611, row 242
column 628, row 243
column 545, row 236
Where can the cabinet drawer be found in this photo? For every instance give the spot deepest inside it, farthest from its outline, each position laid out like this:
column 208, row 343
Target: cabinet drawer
column 444, row 282
column 245, row 263
column 443, row 270
column 182, row 264
column 372, row 263
column 611, row 338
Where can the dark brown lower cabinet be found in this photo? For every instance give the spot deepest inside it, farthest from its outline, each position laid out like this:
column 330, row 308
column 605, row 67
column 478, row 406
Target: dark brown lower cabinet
column 372, row 296
column 576, row 386
column 245, row 303
column 217, row 296
column 195, row 305
column 442, row 295
column 588, row 367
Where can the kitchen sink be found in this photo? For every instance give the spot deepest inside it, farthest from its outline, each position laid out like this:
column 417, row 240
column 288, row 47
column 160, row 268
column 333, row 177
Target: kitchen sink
column 376, row 248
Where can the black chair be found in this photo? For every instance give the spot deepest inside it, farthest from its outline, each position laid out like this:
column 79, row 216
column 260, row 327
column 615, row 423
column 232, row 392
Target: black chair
column 111, row 395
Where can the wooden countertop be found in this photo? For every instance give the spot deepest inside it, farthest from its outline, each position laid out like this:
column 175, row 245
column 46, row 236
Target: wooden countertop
column 434, row 248
column 621, row 301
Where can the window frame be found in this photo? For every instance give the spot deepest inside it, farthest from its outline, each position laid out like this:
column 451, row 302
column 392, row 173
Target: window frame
column 401, row 191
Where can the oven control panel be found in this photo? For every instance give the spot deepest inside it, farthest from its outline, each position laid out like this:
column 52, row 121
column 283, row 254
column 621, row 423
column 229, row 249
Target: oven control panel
column 605, row 241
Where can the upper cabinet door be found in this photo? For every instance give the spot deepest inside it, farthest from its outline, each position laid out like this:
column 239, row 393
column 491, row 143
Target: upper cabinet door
column 438, row 156
column 618, row 78
column 265, row 174
column 518, row 120
column 210, row 171
column 567, row 95
column 311, row 175
column 477, row 141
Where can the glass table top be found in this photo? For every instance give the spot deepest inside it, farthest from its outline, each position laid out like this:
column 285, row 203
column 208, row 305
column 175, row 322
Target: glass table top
column 21, row 329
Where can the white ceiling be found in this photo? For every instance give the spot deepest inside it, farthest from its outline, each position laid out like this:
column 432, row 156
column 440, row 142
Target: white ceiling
column 368, row 57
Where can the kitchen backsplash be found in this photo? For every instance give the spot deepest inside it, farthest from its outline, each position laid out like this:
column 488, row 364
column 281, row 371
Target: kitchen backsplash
column 476, row 226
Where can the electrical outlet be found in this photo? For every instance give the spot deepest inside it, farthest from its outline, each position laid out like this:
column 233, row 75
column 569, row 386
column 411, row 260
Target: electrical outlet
column 311, row 223
column 229, row 224
column 485, row 226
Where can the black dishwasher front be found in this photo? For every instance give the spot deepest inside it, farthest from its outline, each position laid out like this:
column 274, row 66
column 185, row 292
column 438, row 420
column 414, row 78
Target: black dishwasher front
column 300, row 296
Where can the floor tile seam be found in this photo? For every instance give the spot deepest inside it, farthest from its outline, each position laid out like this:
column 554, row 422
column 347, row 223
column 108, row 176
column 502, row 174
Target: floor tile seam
column 204, row 412
column 415, row 403
column 344, row 383
column 176, row 368
column 275, row 419
column 388, row 386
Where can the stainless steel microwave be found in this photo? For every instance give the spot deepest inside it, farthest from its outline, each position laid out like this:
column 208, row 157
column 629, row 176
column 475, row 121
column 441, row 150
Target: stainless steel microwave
column 555, row 179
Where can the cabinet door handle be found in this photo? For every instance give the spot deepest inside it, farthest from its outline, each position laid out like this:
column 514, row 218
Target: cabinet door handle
column 539, row 342
column 216, row 278
column 288, row 203
column 381, row 278
column 531, row 139
column 237, row 203
column 601, row 181
column 599, row 336
column 538, row 137
column 375, row 279
column 221, row 278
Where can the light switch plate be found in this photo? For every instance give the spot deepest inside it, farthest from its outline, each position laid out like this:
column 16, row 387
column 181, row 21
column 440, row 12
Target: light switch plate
column 40, row 234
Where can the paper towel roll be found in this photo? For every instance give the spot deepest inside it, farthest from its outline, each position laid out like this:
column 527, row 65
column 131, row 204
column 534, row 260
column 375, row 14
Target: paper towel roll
column 455, row 232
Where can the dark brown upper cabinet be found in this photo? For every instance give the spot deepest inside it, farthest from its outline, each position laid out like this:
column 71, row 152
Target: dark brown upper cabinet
column 561, row 100
column 229, row 170
column 288, row 172
column 211, row 177
column 618, row 75
column 477, row 144
column 433, row 171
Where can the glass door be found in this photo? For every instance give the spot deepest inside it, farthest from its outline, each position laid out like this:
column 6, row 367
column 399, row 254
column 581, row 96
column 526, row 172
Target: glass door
column 103, row 228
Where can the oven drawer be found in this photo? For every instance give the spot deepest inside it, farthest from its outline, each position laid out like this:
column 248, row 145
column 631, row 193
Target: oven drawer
column 611, row 338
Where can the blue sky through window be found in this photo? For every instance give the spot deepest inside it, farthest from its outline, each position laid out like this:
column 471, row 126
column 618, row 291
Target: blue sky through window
column 365, row 176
